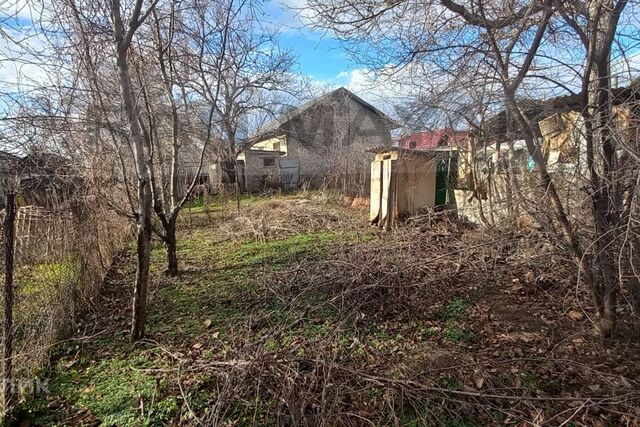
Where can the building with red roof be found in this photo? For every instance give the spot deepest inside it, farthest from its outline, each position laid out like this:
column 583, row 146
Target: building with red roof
column 429, row 140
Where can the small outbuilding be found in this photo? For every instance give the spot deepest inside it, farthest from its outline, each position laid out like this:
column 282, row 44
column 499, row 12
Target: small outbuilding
column 403, row 181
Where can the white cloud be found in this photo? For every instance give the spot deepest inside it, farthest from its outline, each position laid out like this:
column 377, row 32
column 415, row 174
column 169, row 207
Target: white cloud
column 22, row 60
column 297, row 4
column 384, row 89
column 20, row 10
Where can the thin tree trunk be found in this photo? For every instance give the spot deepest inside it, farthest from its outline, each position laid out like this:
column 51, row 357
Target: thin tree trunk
column 143, row 252
column 9, row 246
column 602, row 159
column 237, row 187
column 140, row 139
column 633, row 284
column 171, row 244
column 608, row 299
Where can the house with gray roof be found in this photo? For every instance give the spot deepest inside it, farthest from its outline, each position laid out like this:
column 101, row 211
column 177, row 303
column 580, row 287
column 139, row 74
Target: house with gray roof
column 322, row 142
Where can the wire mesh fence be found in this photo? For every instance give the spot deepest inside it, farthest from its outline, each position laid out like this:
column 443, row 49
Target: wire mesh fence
column 61, row 258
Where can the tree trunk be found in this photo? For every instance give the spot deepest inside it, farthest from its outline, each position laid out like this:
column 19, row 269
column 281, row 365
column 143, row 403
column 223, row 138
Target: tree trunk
column 608, row 306
column 9, row 246
column 602, row 162
column 171, row 243
column 140, row 139
column 143, row 251
column 633, row 284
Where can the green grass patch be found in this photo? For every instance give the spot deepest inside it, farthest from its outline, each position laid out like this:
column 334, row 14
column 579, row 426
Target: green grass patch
column 224, row 290
column 451, row 383
column 457, row 334
column 279, row 252
column 33, row 280
column 111, row 390
column 455, row 310
column 218, row 301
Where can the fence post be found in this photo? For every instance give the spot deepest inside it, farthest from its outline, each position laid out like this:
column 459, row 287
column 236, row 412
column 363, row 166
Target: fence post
column 9, row 246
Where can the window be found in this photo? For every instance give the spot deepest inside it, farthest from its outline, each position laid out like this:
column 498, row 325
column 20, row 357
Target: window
column 412, row 145
column 269, row 161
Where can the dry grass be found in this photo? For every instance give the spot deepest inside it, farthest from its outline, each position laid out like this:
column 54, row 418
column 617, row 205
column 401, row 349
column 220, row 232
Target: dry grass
column 286, row 217
column 296, row 312
column 477, row 329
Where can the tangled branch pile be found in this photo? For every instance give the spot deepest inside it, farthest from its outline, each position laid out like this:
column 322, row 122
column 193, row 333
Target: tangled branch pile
column 421, row 326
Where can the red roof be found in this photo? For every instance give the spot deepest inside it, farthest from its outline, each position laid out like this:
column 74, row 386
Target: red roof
column 433, row 139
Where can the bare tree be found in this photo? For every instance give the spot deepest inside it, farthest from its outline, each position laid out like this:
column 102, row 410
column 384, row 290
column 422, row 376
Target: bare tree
column 603, row 161
column 190, row 129
column 141, row 142
column 511, row 44
column 82, row 21
column 9, row 235
column 249, row 80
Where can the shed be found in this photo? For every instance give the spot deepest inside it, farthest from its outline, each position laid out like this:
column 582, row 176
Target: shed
column 403, row 181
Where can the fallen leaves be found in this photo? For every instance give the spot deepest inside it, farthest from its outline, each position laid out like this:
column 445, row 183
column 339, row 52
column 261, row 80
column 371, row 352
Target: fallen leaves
column 478, row 379
column 575, row 315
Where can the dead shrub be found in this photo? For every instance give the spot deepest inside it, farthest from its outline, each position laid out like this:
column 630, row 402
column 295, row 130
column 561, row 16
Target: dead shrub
column 281, row 218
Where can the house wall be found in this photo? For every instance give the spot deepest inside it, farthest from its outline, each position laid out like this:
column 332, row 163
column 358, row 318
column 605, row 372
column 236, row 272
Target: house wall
column 278, row 143
column 257, row 174
column 496, row 200
column 564, row 144
column 330, row 143
column 506, row 187
column 187, row 172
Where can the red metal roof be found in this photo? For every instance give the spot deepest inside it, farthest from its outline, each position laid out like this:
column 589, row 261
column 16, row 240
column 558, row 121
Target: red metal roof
column 428, row 140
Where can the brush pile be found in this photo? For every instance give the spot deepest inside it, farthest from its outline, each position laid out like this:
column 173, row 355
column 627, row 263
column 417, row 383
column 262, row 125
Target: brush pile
column 434, row 323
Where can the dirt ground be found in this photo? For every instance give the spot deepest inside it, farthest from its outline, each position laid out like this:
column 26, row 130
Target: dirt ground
column 294, row 311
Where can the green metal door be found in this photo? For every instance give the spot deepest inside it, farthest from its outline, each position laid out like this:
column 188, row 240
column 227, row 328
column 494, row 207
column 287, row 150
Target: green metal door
column 441, row 183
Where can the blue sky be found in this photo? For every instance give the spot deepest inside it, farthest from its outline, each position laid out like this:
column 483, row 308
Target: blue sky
column 319, row 56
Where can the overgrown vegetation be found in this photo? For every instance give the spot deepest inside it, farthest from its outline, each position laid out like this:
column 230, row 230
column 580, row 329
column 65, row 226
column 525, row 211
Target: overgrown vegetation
column 302, row 325
column 60, row 264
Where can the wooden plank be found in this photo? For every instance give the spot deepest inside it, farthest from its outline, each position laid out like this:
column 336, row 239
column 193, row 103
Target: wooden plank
column 375, row 199
column 388, row 202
